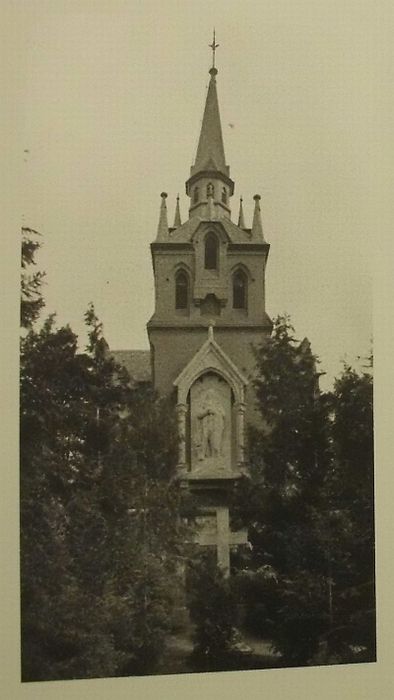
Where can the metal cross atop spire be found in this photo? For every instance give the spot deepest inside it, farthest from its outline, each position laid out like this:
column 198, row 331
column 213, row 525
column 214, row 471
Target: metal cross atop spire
column 213, row 46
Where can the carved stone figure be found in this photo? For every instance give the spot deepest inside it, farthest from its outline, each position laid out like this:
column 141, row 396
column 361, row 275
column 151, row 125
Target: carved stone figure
column 210, row 190
column 211, row 422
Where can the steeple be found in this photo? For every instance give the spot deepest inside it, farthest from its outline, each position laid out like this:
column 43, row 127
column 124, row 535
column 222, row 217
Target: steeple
column 257, row 225
column 241, row 220
column 177, row 217
column 210, row 149
column 162, row 229
column 209, row 170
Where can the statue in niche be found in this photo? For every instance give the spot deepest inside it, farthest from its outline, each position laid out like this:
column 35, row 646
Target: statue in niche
column 211, row 423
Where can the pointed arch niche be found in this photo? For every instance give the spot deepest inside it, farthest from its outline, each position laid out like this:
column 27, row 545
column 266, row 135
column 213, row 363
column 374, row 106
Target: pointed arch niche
column 182, row 290
column 211, row 252
column 210, row 410
column 240, row 289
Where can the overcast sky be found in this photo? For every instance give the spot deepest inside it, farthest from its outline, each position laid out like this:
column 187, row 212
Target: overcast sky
column 113, row 96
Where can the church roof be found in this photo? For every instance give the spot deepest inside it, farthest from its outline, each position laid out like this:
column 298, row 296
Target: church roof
column 137, row 363
column 210, row 149
column 185, row 232
column 234, row 232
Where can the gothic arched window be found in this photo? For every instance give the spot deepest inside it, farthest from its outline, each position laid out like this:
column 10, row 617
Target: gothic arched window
column 181, row 290
column 195, row 195
column 224, row 196
column 240, row 290
column 211, row 252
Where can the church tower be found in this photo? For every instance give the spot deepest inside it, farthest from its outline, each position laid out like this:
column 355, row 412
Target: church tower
column 209, row 313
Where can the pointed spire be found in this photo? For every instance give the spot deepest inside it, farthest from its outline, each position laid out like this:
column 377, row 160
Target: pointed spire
column 210, row 161
column 177, row 217
column 257, row 226
column 241, row 220
column 162, row 229
column 210, row 149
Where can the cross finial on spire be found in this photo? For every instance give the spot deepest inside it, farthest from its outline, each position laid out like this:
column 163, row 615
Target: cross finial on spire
column 213, row 46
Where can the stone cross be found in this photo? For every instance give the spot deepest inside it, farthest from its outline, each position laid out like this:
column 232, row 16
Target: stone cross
column 221, row 537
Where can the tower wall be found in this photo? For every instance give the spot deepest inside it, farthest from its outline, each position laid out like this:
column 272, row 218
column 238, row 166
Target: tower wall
column 167, row 263
column 173, row 348
column 209, row 318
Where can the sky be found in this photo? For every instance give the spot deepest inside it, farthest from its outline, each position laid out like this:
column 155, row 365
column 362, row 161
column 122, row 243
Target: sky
column 113, row 96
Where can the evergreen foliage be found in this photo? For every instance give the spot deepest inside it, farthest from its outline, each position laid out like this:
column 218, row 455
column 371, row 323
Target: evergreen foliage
column 100, row 527
column 31, row 298
column 212, row 607
column 350, row 493
column 309, row 584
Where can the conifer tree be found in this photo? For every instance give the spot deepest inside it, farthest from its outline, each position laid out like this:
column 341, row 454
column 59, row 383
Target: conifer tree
column 31, row 297
column 289, row 459
column 309, row 507
column 350, row 494
column 100, row 533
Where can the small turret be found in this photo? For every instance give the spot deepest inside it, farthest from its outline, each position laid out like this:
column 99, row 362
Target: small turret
column 257, row 226
column 177, row 217
column 241, row 220
column 162, row 229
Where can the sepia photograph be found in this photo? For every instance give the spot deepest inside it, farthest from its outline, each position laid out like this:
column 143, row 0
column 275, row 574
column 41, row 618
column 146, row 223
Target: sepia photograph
column 196, row 416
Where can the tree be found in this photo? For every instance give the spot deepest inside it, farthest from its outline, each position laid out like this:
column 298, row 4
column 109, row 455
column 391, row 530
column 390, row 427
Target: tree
column 350, row 491
column 212, row 607
column 31, row 298
column 100, row 526
column 309, row 507
column 289, row 456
